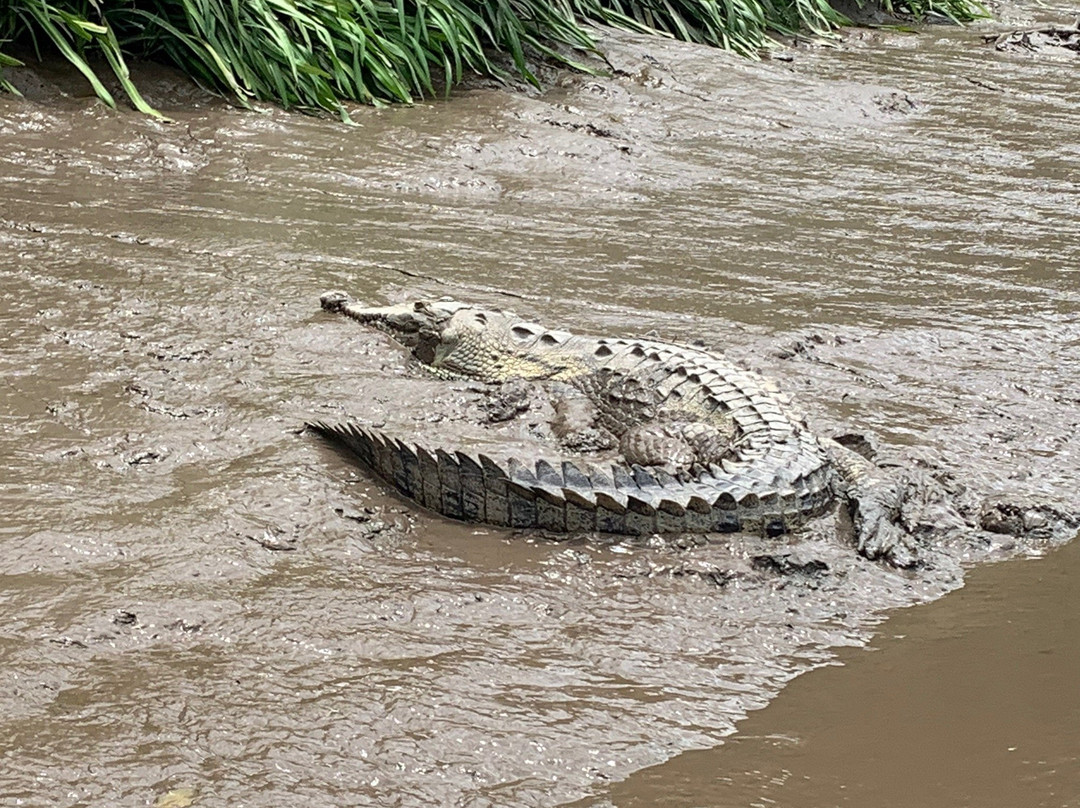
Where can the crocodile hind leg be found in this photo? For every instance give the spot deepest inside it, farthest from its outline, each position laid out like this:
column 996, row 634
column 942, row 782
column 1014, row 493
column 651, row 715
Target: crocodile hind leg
column 678, row 447
column 655, row 444
column 876, row 502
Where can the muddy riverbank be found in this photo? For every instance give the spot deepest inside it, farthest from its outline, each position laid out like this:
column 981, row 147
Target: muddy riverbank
column 197, row 596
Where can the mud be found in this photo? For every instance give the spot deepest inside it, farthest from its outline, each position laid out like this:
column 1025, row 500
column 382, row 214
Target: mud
column 199, row 600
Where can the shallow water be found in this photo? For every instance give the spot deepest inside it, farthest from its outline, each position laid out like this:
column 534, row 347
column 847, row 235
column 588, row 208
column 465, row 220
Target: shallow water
column 968, row 701
column 195, row 596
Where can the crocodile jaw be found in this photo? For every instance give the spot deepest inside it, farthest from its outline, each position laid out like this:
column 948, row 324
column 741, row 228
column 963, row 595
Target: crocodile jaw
column 460, row 341
column 416, row 324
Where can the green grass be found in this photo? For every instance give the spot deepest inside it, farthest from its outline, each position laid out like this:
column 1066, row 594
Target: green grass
column 318, row 54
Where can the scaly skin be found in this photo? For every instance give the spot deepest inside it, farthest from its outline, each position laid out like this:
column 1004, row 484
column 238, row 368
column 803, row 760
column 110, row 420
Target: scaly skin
column 773, row 474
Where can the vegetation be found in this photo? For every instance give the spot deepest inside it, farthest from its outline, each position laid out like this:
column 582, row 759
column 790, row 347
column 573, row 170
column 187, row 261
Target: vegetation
column 316, row 54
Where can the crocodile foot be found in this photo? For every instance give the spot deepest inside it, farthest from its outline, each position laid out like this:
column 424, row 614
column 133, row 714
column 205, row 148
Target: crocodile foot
column 876, row 507
column 876, row 503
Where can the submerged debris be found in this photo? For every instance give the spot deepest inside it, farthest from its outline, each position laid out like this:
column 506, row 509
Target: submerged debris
column 1060, row 38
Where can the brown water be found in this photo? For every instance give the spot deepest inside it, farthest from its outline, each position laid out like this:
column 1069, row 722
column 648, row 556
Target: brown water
column 194, row 596
column 970, row 701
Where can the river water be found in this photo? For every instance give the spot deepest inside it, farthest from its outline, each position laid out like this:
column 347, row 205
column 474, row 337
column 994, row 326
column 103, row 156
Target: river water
column 199, row 602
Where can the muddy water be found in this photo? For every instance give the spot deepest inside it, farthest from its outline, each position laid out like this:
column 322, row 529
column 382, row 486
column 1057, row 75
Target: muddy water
column 195, row 596
column 969, row 701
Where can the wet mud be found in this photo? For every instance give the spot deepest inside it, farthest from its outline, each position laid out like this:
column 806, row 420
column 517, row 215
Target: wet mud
column 200, row 600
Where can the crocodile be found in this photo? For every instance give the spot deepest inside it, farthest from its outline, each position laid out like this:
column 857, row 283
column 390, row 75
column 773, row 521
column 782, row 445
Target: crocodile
column 705, row 445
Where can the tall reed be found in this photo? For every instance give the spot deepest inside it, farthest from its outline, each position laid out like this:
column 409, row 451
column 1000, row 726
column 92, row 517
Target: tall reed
column 318, row 54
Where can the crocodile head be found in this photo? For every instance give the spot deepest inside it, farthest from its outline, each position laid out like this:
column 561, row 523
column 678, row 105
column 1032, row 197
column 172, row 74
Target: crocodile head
column 461, row 341
column 416, row 324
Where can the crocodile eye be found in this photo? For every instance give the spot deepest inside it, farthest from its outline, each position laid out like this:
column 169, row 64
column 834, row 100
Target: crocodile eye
column 522, row 332
column 481, row 318
column 419, row 306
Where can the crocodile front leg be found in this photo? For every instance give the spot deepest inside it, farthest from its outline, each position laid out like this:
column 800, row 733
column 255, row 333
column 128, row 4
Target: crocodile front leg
column 575, row 424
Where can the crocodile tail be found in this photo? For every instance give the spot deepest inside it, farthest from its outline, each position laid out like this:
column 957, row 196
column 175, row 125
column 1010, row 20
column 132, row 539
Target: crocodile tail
column 570, row 496
column 455, row 484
